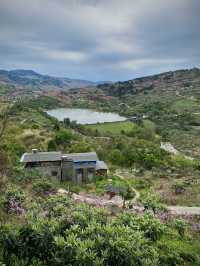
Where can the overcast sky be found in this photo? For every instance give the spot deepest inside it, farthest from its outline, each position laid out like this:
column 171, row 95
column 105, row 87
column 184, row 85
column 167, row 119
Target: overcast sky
column 99, row 39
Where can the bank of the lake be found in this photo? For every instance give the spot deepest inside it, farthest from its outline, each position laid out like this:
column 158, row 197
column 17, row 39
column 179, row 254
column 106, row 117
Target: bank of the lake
column 85, row 116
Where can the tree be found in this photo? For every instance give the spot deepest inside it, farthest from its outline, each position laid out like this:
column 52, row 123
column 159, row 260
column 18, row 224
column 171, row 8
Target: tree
column 66, row 122
column 127, row 194
column 116, row 157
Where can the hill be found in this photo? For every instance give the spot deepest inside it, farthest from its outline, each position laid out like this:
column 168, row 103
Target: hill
column 39, row 225
column 172, row 80
column 33, row 80
column 171, row 100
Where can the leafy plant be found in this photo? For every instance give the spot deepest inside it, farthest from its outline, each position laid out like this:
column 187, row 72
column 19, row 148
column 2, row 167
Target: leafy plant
column 43, row 185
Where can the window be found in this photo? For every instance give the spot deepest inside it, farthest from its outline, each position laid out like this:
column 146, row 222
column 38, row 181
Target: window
column 54, row 173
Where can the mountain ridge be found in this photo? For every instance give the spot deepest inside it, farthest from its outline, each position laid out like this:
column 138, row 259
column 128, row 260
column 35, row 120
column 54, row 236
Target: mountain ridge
column 33, row 80
column 167, row 80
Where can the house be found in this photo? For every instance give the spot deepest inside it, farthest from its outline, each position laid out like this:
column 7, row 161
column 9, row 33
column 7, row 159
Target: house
column 49, row 163
column 136, row 119
column 77, row 167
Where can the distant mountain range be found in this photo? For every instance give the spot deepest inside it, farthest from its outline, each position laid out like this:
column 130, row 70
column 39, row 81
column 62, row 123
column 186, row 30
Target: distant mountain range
column 30, row 79
column 28, row 82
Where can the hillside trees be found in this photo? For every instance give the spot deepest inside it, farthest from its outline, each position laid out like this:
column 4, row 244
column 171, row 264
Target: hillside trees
column 58, row 231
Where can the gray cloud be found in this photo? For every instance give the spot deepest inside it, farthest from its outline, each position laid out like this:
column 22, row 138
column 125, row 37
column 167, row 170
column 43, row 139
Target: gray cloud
column 99, row 39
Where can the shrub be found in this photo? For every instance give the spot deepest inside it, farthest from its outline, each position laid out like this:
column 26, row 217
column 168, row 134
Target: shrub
column 13, row 199
column 180, row 226
column 22, row 174
column 42, row 186
column 151, row 201
column 127, row 194
column 116, row 157
column 14, row 193
column 179, row 187
column 63, row 137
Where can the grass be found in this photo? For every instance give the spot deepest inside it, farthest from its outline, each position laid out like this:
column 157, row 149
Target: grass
column 189, row 105
column 114, row 128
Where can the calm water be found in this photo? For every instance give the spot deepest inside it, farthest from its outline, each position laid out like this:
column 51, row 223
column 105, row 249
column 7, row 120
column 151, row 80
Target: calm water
column 85, row 116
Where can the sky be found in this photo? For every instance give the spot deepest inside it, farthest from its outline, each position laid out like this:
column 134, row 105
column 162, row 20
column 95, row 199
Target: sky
column 99, row 40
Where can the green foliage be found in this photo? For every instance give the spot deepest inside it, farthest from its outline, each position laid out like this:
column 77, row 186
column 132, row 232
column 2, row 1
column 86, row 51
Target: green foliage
column 14, row 192
column 12, row 199
column 55, row 230
column 179, row 187
column 146, row 131
column 180, row 226
column 23, row 175
column 180, row 161
column 151, row 226
column 61, row 140
column 42, row 102
column 151, row 201
column 63, row 137
column 127, row 194
column 116, row 157
column 43, row 185
column 112, row 128
column 60, row 232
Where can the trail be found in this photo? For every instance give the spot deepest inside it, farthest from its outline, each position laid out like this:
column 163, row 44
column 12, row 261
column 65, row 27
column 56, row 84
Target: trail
column 99, row 201
column 104, row 201
column 183, row 210
column 137, row 193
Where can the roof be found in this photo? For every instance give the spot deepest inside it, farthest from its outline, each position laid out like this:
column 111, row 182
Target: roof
column 41, row 157
column 101, row 165
column 114, row 189
column 81, row 157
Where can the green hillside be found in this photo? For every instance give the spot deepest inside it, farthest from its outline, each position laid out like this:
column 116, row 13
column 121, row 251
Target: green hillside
column 41, row 226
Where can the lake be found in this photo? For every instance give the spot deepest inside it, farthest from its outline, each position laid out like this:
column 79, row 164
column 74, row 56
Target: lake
column 85, row 116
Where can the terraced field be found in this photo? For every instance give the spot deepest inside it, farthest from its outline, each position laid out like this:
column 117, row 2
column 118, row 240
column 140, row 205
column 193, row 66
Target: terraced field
column 113, row 128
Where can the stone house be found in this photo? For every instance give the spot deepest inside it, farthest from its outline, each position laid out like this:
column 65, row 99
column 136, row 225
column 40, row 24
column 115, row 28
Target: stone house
column 77, row 167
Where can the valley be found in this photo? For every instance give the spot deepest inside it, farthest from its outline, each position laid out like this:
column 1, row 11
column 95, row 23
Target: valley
column 160, row 109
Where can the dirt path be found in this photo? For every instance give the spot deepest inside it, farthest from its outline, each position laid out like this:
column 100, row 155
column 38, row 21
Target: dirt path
column 95, row 200
column 137, row 194
column 104, row 201
column 184, row 210
column 175, row 210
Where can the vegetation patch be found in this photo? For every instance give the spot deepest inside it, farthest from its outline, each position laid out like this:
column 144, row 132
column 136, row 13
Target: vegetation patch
column 112, row 128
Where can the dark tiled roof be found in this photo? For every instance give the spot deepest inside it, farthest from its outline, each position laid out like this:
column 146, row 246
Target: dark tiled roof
column 114, row 189
column 41, row 157
column 81, row 157
column 101, row 165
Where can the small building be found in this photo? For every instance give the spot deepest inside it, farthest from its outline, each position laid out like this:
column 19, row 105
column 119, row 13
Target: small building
column 48, row 163
column 76, row 167
column 136, row 119
column 101, row 168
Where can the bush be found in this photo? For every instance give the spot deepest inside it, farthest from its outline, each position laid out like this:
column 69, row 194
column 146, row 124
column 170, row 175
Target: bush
column 14, row 193
column 22, row 174
column 13, row 199
column 179, row 187
column 63, row 137
column 116, row 157
column 151, row 201
column 152, row 228
column 180, row 226
column 42, row 186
